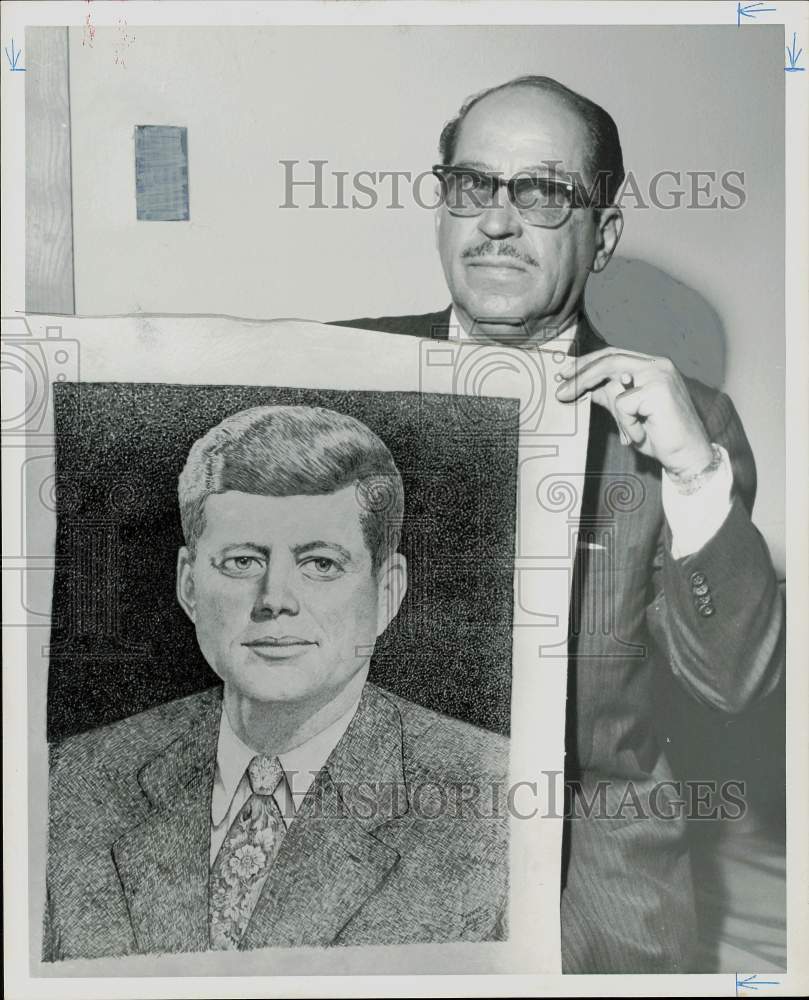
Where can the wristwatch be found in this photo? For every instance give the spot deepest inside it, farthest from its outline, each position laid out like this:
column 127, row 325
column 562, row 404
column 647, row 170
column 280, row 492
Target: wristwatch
column 687, row 485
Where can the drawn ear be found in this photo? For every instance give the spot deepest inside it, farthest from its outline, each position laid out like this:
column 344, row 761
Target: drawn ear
column 186, row 593
column 392, row 588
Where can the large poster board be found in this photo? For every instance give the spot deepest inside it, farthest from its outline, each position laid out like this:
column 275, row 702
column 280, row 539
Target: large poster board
column 489, row 459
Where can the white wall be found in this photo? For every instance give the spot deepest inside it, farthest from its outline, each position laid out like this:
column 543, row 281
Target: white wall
column 375, row 99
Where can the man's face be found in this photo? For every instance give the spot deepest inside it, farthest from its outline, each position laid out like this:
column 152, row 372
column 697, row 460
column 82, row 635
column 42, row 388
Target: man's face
column 500, row 268
column 282, row 595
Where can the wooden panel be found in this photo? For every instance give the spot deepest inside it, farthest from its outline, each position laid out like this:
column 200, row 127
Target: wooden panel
column 48, row 197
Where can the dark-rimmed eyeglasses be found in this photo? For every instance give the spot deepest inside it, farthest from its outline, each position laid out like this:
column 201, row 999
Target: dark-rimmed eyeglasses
column 540, row 200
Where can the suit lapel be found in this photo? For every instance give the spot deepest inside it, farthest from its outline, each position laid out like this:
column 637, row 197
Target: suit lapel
column 163, row 863
column 611, row 466
column 586, row 340
column 330, row 862
column 600, row 431
column 436, row 326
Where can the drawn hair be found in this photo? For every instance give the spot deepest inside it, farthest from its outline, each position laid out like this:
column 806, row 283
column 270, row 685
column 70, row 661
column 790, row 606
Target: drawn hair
column 282, row 451
column 605, row 159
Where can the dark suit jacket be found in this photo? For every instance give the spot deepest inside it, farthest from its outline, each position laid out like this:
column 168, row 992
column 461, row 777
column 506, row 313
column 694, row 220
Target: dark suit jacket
column 627, row 902
column 381, row 850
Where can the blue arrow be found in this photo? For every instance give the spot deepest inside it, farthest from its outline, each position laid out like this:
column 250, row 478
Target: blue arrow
column 793, row 57
column 13, row 59
column 753, row 983
column 750, row 10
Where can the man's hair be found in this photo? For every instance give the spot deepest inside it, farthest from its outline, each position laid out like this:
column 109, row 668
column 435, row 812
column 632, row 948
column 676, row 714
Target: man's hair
column 605, row 159
column 282, row 451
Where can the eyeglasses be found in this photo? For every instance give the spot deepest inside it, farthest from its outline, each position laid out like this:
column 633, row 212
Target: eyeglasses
column 541, row 201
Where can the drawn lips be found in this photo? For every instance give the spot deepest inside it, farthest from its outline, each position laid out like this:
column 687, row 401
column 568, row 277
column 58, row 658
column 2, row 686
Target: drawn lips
column 271, row 642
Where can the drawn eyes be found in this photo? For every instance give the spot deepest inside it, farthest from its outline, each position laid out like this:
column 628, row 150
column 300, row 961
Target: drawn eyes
column 241, row 567
column 243, row 564
column 322, row 568
column 250, row 566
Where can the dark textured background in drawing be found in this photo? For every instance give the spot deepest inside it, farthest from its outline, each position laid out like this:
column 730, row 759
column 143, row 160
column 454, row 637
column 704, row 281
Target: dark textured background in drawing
column 120, row 642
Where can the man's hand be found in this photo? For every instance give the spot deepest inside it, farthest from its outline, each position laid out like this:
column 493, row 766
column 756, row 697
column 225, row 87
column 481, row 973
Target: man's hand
column 649, row 401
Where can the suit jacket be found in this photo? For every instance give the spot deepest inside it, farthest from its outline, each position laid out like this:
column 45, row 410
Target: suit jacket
column 627, row 901
column 381, row 850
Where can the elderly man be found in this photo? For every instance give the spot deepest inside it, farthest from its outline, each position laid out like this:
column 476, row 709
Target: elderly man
column 296, row 804
column 672, row 576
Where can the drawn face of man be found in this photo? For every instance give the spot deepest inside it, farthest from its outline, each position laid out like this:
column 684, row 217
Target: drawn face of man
column 500, row 269
column 282, row 594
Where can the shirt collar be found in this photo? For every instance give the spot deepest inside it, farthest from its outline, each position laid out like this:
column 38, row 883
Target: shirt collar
column 300, row 764
column 562, row 341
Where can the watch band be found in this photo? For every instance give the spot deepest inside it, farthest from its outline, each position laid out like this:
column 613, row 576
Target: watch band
column 687, row 485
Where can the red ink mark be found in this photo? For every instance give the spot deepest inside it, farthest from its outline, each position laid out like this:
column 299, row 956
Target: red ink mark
column 89, row 33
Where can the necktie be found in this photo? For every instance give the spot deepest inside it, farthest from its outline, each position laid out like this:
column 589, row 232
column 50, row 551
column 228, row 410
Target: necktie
column 247, row 852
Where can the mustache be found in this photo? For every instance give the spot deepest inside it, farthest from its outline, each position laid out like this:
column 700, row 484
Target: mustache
column 491, row 249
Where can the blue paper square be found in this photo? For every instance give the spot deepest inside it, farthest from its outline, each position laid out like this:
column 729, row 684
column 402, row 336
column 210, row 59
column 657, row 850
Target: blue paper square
column 161, row 173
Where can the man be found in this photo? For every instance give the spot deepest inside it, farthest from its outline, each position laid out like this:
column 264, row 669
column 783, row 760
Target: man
column 297, row 804
column 671, row 576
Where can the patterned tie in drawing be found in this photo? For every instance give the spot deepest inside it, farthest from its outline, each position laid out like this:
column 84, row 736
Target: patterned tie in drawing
column 247, row 852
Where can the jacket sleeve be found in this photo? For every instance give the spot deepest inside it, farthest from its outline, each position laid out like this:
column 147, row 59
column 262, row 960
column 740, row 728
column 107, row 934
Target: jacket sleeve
column 718, row 615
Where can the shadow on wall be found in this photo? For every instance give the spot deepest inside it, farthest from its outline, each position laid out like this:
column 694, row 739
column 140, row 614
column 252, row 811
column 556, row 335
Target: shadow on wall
column 636, row 305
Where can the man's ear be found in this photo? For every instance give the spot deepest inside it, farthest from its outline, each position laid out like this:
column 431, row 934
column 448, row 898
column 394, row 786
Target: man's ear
column 186, row 593
column 392, row 588
column 437, row 219
column 610, row 227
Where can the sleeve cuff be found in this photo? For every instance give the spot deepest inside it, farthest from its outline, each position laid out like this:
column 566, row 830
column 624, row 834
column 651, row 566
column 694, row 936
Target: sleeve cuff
column 695, row 518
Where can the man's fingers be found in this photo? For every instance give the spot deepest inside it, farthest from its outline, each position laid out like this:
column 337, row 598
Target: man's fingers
column 573, row 363
column 613, row 366
column 607, row 396
column 628, row 414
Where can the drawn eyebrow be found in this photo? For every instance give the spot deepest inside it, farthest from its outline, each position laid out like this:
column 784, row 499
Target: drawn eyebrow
column 300, row 550
column 222, row 554
column 262, row 549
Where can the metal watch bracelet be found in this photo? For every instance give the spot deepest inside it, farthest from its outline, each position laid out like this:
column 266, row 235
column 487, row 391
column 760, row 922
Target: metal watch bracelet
column 687, row 485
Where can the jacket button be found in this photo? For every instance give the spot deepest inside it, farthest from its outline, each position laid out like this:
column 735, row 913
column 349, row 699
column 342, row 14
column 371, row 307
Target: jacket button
column 707, row 610
column 701, row 589
column 697, row 579
column 703, row 601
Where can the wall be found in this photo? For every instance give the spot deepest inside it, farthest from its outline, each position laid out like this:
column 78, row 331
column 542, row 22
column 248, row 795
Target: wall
column 375, row 99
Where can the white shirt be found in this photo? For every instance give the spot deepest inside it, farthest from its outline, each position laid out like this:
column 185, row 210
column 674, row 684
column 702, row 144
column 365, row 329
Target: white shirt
column 301, row 764
column 693, row 518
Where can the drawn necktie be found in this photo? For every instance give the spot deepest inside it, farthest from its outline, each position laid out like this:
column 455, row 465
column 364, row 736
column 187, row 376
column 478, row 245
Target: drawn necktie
column 246, row 855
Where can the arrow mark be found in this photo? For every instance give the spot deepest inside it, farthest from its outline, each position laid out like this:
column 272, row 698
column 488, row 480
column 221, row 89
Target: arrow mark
column 14, row 59
column 750, row 10
column 794, row 57
column 753, row 982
